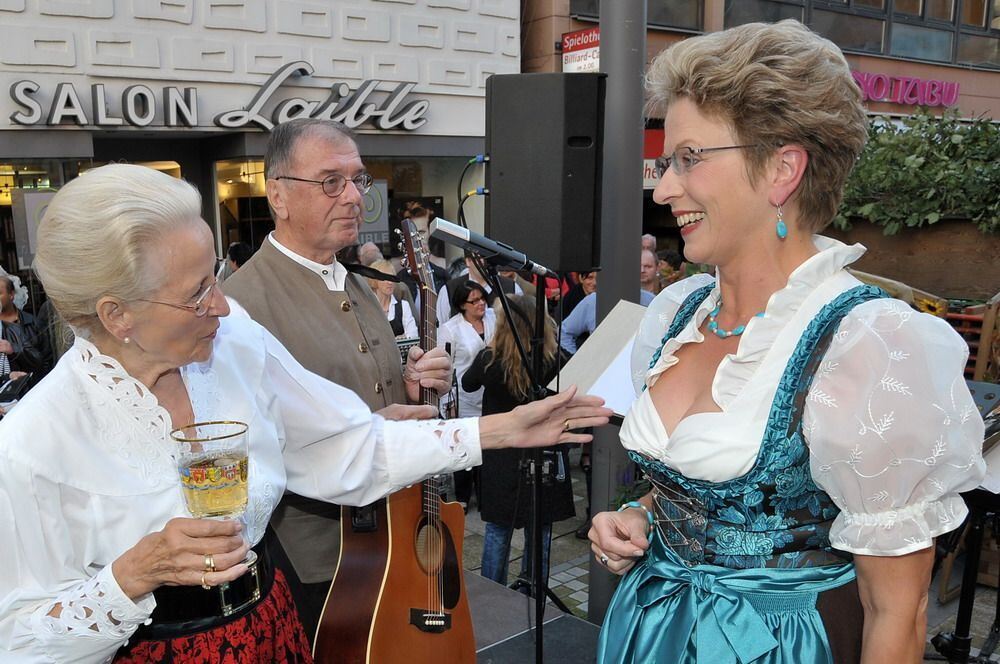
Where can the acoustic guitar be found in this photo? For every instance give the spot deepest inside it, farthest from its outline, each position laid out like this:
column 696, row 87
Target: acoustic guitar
column 398, row 594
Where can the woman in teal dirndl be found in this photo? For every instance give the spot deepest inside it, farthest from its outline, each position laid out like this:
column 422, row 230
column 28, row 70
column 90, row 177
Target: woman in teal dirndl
column 805, row 435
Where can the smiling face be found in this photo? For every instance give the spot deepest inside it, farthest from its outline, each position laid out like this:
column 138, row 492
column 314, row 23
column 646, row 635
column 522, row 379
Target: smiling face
column 719, row 213
column 171, row 337
column 309, row 222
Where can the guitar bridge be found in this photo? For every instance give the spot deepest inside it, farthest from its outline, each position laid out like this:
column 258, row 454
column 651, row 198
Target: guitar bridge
column 430, row 621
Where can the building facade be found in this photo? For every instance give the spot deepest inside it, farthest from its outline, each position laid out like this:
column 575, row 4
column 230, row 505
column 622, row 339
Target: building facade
column 191, row 87
column 905, row 54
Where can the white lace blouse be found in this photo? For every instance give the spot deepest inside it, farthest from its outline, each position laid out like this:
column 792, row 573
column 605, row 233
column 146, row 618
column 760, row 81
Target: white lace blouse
column 892, row 430
column 86, row 472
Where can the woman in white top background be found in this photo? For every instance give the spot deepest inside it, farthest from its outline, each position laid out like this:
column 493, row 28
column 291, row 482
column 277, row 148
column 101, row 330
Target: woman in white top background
column 465, row 334
column 99, row 560
column 399, row 312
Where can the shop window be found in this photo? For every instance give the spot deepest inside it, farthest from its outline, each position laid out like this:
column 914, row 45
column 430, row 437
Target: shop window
column 941, row 10
column 848, row 31
column 995, row 23
column 20, row 177
column 910, row 41
column 979, row 51
column 685, row 14
column 870, row 4
column 974, row 13
column 739, row 12
column 243, row 211
column 674, row 13
column 938, row 10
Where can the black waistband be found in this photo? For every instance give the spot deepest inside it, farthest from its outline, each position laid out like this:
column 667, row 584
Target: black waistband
column 183, row 610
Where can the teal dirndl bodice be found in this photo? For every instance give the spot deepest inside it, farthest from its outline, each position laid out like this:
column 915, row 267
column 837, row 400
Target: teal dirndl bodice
column 735, row 567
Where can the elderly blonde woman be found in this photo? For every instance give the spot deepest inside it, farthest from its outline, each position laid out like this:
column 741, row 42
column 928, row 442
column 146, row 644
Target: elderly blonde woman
column 399, row 312
column 99, row 561
column 806, row 436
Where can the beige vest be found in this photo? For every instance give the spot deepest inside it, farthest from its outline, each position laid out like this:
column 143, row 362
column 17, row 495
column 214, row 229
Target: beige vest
column 342, row 336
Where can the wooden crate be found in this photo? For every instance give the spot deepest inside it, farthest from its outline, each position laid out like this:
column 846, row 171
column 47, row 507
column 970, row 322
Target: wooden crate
column 978, row 326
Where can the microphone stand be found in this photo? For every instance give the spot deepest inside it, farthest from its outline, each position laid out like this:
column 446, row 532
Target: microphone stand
column 536, row 368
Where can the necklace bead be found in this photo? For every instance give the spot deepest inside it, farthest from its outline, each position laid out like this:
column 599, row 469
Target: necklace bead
column 713, row 325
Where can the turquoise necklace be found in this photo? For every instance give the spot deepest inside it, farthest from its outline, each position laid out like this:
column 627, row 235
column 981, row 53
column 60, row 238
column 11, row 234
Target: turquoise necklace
column 713, row 325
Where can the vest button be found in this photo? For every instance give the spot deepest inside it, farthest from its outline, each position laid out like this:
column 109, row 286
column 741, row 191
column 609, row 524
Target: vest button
column 363, row 347
column 378, row 388
column 345, row 306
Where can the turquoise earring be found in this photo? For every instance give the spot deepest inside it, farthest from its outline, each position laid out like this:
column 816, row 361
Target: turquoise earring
column 780, row 228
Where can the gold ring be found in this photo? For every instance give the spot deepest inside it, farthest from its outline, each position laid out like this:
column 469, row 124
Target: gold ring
column 203, row 584
column 209, row 563
column 566, row 425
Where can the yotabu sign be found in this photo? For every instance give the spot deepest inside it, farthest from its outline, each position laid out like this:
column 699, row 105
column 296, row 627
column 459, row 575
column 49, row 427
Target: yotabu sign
column 906, row 90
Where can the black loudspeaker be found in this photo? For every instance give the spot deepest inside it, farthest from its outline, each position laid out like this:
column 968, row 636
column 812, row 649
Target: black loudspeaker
column 545, row 139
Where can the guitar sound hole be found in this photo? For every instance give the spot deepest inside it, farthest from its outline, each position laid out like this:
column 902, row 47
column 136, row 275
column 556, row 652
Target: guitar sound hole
column 430, row 548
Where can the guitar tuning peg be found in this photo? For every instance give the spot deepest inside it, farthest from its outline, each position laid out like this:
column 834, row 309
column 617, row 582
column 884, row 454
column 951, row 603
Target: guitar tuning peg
column 399, row 245
column 397, row 231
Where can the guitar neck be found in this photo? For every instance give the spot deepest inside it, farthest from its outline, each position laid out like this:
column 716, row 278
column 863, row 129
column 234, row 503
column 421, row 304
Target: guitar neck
column 428, row 337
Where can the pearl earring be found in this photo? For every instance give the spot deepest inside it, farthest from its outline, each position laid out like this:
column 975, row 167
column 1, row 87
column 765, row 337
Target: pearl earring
column 127, row 340
column 781, row 228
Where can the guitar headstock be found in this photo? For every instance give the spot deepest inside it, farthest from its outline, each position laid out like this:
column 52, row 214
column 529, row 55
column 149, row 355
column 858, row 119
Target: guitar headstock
column 417, row 259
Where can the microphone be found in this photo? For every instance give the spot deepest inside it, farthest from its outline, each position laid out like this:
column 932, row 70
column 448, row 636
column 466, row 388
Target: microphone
column 493, row 252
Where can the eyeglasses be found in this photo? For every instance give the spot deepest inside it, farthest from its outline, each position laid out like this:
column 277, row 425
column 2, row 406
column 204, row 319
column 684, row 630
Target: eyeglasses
column 684, row 159
column 199, row 307
column 334, row 185
column 476, row 301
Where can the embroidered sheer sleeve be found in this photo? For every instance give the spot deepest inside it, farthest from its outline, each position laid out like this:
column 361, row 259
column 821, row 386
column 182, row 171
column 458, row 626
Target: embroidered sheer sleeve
column 50, row 612
column 659, row 314
column 893, row 432
column 337, row 450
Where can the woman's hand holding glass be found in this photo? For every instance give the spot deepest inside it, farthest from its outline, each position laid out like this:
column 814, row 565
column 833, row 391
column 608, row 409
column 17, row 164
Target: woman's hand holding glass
column 619, row 539
column 177, row 556
column 213, row 463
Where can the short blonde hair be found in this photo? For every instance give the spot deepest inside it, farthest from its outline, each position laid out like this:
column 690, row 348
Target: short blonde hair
column 382, row 265
column 99, row 232
column 774, row 84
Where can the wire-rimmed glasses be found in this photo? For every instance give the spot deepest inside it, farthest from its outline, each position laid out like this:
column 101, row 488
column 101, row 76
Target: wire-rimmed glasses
column 334, row 185
column 199, row 306
column 683, row 159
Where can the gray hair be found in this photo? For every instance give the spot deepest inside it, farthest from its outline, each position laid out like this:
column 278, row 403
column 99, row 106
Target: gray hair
column 284, row 138
column 99, row 232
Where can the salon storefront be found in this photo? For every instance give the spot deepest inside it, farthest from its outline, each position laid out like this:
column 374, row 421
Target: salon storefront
column 192, row 88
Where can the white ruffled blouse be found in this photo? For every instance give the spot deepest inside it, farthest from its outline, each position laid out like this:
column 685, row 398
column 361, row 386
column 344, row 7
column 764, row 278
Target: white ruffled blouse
column 893, row 432
column 86, row 471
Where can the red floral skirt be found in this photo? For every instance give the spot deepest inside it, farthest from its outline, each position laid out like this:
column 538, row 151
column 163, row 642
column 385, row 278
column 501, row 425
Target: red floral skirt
column 270, row 633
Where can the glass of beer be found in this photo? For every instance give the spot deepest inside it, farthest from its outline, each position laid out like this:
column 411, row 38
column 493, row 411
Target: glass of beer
column 212, row 461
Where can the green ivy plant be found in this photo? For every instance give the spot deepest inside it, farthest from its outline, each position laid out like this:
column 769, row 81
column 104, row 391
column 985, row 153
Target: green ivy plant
column 924, row 169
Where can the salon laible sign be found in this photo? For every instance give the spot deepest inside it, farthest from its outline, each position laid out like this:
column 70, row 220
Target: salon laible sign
column 140, row 106
column 906, row 90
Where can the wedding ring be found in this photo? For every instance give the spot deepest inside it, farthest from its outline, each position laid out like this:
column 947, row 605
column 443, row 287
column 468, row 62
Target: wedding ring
column 566, row 425
column 604, row 560
column 203, row 584
column 209, row 563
